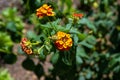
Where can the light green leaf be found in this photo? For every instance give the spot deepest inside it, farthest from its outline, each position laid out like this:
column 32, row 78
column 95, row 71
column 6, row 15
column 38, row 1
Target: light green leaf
column 78, row 60
column 87, row 22
column 11, row 26
column 55, row 57
column 89, row 42
column 81, row 52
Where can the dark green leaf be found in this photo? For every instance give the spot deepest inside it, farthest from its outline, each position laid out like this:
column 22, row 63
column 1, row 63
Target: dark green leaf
column 67, row 58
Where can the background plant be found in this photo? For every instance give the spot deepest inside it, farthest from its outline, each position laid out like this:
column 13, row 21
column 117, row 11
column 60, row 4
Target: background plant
column 4, row 75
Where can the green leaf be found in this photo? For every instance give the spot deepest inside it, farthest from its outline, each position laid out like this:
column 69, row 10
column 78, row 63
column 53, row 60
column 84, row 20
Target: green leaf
column 68, row 26
column 55, row 57
column 31, row 35
column 42, row 54
column 74, row 31
column 11, row 26
column 117, row 69
column 81, row 78
column 5, row 40
column 86, row 44
column 67, row 59
column 88, row 74
column 69, row 3
column 28, row 64
column 89, row 42
column 81, row 52
column 87, row 22
column 78, row 60
column 75, row 37
column 81, row 36
column 9, row 13
column 5, row 75
column 19, row 50
column 114, row 61
column 48, row 47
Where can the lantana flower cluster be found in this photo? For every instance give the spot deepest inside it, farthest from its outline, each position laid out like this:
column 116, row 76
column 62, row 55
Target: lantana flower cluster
column 26, row 47
column 64, row 41
column 45, row 10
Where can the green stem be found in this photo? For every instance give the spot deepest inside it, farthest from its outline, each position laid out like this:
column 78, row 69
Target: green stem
column 40, row 48
column 35, row 43
column 4, row 51
column 54, row 17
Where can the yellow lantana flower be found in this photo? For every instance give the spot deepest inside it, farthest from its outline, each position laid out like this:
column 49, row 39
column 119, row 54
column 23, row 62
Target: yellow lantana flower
column 63, row 41
column 45, row 10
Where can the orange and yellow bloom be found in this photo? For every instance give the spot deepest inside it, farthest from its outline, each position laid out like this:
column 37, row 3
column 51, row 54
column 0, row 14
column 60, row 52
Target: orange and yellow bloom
column 45, row 10
column 63, row 41
column 25, row 46
column 80, row 15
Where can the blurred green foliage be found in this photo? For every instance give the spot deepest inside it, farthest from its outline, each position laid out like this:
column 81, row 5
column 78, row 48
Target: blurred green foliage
column 5, row 75
column 11, row 23
column 5, row 42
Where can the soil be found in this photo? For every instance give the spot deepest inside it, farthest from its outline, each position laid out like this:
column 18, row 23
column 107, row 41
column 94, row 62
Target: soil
column 18, row 72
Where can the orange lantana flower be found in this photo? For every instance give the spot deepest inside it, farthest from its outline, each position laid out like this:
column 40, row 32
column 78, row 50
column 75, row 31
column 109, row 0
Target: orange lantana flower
column 63, row 41
column 80, row 15
column 45, row 10
column 25, row 46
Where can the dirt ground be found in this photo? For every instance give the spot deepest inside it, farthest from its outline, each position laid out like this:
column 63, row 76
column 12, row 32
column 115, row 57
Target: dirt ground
column 18, row 72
